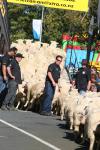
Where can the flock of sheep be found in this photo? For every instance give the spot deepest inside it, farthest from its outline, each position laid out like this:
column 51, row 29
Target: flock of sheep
column 78, row 111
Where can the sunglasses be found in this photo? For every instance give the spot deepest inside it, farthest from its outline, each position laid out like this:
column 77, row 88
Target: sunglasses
column 59, row 60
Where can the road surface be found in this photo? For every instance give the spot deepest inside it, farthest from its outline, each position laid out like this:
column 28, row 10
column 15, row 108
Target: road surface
column 20, row 130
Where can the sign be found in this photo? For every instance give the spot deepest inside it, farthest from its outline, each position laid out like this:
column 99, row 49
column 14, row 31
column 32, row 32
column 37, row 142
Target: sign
column 78, row 5
column 36, row 25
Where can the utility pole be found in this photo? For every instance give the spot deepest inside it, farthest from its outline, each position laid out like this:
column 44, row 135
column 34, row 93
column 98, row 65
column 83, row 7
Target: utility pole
column 98, row 15
column 41, row 28
column 90, row 38
column 93, row 29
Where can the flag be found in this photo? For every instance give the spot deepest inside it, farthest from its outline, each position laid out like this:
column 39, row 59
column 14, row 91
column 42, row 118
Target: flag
column 37, row 28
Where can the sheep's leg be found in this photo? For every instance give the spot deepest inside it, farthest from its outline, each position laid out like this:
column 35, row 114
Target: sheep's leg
column 71, row 122
column 18, row 105
column 62, row 113
column 25, row 105
column 28, row 98
column 92, row 139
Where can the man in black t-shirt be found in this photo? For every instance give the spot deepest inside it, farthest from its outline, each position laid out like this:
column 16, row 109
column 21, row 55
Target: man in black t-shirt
column 6, row 61
column 53, row 75
column 83, row 78
column 14, row 78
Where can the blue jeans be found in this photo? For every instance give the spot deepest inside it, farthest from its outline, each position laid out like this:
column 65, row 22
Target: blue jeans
column 11, row 95
column 3, row 90
column 83, row 93
column 2, row 84
column 48, row 97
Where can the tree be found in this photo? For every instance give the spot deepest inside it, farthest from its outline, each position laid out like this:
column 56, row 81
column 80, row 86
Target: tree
column 20, row 18
column 56, row 21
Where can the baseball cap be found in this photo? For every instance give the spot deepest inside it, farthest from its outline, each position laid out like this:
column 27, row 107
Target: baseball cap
column 19, row 55
column 84, row 62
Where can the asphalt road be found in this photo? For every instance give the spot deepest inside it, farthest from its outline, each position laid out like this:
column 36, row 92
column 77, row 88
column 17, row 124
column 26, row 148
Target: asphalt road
column 30, row 131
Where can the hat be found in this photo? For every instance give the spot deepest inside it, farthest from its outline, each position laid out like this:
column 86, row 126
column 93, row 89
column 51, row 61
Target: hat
column 84, row 62
column 19, row 55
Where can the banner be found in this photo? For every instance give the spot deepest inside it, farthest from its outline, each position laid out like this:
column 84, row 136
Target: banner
column 96, row 56
column 75, row 57
column 36, row 25
column 78, row 5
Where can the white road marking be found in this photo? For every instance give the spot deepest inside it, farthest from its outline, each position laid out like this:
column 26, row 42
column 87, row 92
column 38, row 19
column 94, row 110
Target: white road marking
column 30, row 135
column 3, row 137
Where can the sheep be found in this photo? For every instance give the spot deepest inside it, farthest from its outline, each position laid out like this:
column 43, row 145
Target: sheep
column 92, row 121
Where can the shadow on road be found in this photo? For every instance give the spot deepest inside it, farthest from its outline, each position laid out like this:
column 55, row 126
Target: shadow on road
column 62, row 126
column 69, row 135
column 82, row 148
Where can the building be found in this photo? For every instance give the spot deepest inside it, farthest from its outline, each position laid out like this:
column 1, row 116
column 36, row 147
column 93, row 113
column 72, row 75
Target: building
column 4, row 32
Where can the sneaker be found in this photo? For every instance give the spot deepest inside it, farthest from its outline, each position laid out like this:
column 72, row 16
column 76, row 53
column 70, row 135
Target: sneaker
column 4, row 107
column 12, row 108
column 45, row 113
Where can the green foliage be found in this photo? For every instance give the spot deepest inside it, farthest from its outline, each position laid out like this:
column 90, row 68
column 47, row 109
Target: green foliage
column 56, row 21
column 20, row 18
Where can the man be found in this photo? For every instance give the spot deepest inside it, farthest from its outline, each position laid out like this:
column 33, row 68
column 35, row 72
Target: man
column 53, row 74
column 14, row 78
column 2, row 85
column 83, row 78
column 6, row 61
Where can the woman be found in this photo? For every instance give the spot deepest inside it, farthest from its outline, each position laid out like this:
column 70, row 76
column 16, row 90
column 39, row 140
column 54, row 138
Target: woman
column 98, row 82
